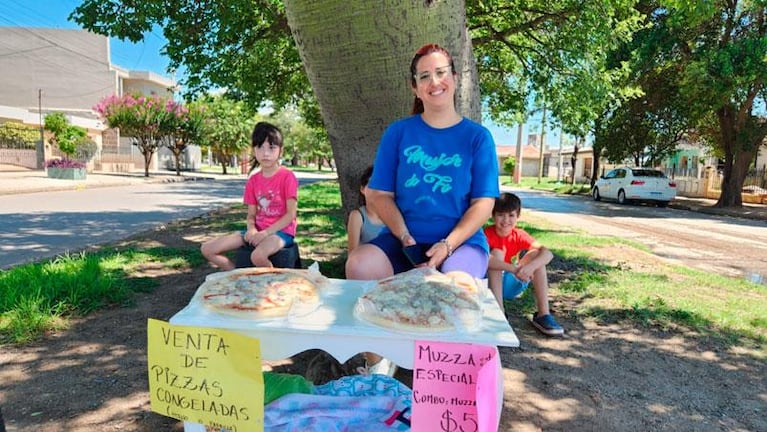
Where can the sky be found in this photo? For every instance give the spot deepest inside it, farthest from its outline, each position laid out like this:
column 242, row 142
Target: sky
column 146, row 55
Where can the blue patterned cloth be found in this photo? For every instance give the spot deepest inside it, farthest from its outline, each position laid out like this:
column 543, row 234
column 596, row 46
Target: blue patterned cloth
column 374, row 403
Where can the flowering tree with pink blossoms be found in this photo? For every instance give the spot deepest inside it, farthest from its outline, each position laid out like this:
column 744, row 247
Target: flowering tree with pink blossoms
column 147, row 120
column 184, row 129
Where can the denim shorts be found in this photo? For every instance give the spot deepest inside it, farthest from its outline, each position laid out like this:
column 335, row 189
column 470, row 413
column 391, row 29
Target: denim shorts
column 287, row 238
column 512, row 286
column 471, row 259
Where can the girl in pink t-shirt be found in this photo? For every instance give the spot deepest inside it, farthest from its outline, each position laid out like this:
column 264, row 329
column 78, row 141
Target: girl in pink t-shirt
column 271, row 195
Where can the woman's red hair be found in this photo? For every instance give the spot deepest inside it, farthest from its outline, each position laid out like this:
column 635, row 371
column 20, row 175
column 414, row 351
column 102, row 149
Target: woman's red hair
column 423, row 51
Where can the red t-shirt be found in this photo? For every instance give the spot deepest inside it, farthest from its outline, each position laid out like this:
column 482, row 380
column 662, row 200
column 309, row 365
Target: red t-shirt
column 516, row 241
column 271, row 195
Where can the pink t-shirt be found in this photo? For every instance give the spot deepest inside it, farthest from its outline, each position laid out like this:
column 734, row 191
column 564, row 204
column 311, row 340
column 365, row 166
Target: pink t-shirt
column 516, row 241
column 270, row 195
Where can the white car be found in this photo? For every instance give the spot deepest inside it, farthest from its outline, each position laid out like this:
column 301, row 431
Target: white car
column 635, row 184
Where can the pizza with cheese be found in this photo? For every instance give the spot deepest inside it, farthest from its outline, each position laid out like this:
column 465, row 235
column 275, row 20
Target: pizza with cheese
column 261, row 292
column 422, row 300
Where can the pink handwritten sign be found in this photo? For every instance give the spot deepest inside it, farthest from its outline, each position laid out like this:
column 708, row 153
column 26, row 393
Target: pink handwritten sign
column 455, row 387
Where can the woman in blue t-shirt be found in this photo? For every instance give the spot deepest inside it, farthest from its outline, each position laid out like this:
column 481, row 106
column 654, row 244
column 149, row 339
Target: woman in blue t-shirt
column 434, row 184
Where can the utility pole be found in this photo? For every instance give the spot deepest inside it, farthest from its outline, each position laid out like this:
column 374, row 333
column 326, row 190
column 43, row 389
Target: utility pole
column 559, row 166
column 40, row 147
column 518, row 156
column 543, row 144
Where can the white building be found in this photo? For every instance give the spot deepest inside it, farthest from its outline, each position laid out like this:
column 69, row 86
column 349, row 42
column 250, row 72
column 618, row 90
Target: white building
column 47, row 70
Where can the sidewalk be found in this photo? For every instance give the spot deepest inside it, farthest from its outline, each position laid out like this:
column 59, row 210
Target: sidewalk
column 31, row 181
column 703, row 205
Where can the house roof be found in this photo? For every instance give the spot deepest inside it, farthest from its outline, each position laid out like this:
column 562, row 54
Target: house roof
column 528, row 151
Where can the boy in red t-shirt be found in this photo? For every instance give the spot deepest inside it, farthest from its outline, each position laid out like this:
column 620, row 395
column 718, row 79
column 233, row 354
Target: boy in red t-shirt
column 508, row 280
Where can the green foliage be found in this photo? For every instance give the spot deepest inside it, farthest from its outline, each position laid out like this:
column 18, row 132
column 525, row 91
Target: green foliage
column 17, row 135
column 508, row 164
column 184, row 129
column 65, row 136
column 703, row 66
column 557, row 50
column 225, row 128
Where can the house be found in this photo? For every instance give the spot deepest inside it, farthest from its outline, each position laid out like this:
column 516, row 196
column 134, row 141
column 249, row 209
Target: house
column 530, row 158
column 47, row 70
column 562, row 159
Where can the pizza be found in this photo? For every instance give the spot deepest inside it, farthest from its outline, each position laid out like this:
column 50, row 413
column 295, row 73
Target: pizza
column 262, row 292
column 422, row 300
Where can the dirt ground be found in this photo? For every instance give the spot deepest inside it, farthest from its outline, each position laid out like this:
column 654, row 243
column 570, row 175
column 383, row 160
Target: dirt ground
column 602, row 376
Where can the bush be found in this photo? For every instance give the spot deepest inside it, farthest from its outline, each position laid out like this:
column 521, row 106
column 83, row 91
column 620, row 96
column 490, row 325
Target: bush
column 63, row 163
column 508, row 164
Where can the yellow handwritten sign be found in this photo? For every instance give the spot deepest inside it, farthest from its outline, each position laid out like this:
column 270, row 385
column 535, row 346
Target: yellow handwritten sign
column 205, row 375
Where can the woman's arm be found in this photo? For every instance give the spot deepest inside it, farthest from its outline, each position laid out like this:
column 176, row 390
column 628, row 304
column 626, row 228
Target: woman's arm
column 353, row 230
column 386, row 208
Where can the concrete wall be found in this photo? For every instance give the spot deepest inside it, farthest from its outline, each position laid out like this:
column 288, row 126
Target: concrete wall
column 70, row 66
column 147, row 83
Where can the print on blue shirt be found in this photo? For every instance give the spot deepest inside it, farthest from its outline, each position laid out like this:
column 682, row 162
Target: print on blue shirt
column 441, row 183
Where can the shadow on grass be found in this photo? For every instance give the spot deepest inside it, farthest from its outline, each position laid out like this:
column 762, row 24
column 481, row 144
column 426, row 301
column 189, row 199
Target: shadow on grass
column 576, row 277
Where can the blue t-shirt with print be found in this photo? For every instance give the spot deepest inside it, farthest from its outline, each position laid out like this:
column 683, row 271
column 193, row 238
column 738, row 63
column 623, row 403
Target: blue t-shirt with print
column 435, row 173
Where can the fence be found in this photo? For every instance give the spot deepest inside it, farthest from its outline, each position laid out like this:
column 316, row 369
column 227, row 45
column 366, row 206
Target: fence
column 709, row 184
column 18, row 145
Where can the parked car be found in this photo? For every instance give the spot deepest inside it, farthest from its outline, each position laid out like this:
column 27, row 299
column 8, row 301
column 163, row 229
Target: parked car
column 627, row 184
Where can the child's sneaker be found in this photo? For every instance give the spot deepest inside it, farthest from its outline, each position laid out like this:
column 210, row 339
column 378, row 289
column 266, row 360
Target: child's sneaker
column 383, row 367
column 547, row 325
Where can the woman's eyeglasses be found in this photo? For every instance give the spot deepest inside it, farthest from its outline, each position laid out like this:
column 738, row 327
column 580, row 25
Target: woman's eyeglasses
column 440, row 73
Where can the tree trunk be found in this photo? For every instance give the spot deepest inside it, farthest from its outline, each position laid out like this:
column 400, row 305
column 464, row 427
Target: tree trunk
column 177, row 157
column 597, row 151
column 574, row 159
column 737, row 156
column 147, row 153
column 735, row 170
column 357, row 59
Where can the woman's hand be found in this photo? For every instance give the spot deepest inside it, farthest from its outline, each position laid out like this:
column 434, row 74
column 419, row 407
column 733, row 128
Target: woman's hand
column 438, row 253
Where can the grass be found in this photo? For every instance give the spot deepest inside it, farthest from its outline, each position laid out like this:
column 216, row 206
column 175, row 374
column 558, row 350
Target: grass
column 547, row 184
column 36, row 298
column 235, row 170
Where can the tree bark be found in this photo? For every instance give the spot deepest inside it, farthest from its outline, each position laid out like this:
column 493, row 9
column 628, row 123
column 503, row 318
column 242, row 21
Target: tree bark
column 574, row 159
column 737, row 156
column 357, row 59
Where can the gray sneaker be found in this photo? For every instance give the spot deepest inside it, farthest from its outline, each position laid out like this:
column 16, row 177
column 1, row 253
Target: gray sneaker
column 383, row 367
column 547, row 325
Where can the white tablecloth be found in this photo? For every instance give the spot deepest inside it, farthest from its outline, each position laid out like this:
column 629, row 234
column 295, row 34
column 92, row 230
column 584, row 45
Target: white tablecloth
column 332, row 327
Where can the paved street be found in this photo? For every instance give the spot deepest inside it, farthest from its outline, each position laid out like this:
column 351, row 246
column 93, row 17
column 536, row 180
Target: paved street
column 41, row 217
column 723, row 245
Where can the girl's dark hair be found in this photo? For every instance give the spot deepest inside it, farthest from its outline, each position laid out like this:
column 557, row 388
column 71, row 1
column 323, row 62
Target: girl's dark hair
column 423, row 51
column 507, row 203
column 262, row 133
column 364, row 179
